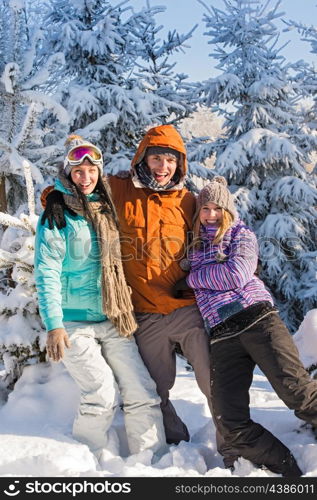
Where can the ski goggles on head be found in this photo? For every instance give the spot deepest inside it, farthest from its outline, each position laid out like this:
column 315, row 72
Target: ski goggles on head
column 78, row 154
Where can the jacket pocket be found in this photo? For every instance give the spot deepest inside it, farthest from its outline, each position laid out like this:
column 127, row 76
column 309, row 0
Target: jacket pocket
column 133, row 215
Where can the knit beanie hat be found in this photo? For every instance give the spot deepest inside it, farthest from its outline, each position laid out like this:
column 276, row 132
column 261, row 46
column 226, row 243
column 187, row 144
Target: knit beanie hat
column 74, row 141
column 217, row 192
column 159, row 150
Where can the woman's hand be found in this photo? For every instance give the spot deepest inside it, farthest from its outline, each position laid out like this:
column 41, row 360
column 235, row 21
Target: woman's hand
column 57, row 339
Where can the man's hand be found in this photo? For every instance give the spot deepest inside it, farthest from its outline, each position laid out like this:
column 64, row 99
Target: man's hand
column 57, row 339
column 180, row 288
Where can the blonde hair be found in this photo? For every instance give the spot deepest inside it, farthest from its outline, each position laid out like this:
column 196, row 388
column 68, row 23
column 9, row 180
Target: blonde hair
column 226, row 222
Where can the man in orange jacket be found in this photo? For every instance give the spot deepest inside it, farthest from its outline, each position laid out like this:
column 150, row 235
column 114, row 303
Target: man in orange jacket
column 155, row 213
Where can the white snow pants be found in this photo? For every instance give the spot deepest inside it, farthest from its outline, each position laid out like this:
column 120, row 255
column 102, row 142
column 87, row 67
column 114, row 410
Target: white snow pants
column 103, row 363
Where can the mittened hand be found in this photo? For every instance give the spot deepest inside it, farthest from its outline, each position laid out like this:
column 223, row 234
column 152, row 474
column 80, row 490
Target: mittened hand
column 179, row 288
column 54, row 212
column 57, row 340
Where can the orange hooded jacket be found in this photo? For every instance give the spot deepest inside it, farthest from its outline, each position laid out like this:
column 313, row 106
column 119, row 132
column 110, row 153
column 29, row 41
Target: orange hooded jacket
column 154, row 229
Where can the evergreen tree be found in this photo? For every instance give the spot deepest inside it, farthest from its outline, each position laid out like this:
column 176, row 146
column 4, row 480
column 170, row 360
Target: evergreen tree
column 22, row 337
column 29, row 118
column 101, row 87
column 173, row 98
column 24, row 75
column 261, row 154
column 307, row 74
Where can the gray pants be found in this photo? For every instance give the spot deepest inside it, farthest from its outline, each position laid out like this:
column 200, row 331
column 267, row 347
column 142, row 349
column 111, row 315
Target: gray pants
column 269, row 345
column 102, row 364
column 156, row 338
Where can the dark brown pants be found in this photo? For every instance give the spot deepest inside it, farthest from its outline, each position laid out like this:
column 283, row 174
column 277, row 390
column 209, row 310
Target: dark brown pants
column 269, row 345
column 156, row 338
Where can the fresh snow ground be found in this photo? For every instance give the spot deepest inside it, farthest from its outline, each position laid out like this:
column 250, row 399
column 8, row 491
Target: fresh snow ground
column 36, row 427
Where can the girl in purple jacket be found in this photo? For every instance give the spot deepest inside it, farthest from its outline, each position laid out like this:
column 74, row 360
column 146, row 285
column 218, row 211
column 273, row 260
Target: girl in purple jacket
column 245, row 330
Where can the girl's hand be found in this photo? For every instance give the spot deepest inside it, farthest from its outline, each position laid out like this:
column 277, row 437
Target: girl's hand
column 57, row 339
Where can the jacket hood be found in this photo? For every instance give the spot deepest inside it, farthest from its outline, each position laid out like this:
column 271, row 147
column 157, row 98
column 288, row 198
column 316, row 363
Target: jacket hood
column 165, row 136
column 59, row 187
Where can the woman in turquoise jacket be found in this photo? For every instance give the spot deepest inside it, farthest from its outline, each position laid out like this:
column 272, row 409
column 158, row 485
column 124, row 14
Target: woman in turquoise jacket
column 85, row 305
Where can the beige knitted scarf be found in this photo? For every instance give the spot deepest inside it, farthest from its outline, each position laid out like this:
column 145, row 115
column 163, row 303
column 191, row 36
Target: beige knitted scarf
column 116, row 294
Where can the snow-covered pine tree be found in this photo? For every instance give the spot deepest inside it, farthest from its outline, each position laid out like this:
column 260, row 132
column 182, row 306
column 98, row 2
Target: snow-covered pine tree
column 28, row 116
column 260, row 154
column 22, row 337
column 24, row 75
column 106, row 100
column 171, row 95
column 173, row 98
column 307, row 74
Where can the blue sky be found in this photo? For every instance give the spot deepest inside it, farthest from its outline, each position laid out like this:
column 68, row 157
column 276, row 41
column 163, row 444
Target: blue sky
column 182, row 15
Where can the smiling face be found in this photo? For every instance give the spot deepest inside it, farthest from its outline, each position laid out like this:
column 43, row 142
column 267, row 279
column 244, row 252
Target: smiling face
column 162, row 167
column 85, row 176
column 210, row 215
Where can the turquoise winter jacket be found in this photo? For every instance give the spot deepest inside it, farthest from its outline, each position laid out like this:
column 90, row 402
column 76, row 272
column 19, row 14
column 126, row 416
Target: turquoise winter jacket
column 68, row 271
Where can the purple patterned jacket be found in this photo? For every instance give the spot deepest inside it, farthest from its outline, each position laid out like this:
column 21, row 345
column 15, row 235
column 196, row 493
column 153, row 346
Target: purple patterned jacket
column 223, row 274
